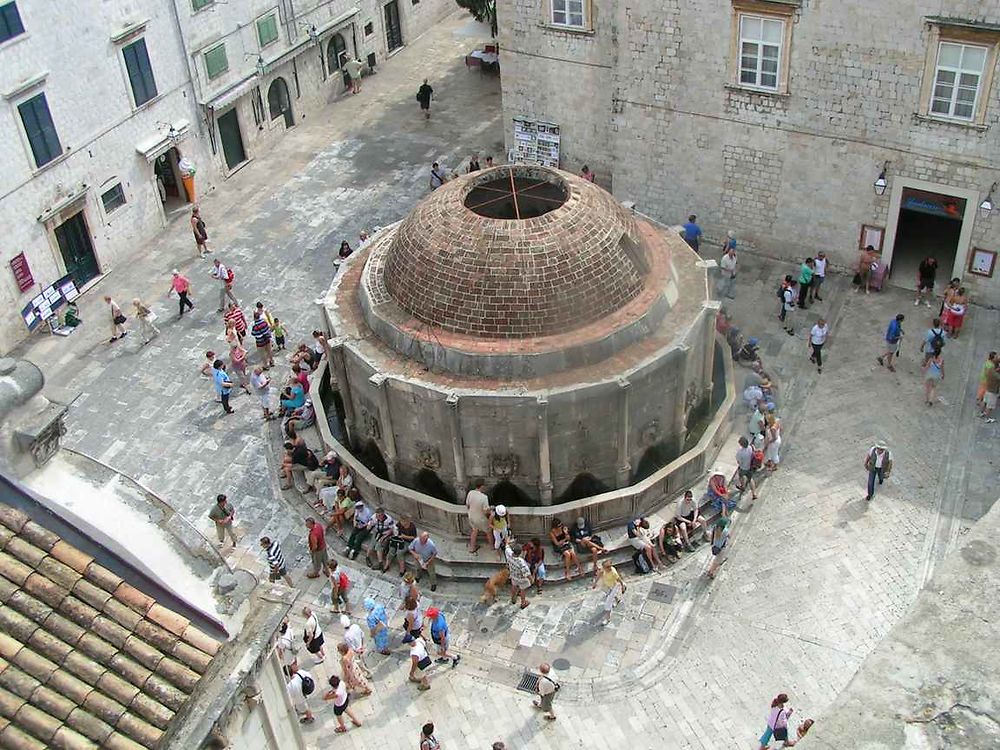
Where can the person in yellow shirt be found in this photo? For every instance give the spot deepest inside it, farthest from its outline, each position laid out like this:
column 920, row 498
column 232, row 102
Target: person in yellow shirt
column 610, row 581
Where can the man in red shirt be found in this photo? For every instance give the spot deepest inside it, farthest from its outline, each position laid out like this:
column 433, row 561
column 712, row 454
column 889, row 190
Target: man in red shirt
column 317, row 547
column 180, row 284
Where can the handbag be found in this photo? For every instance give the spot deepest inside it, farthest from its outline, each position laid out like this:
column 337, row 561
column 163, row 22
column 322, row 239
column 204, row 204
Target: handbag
column 120, row 319
column 780, row 733
column 424, row 663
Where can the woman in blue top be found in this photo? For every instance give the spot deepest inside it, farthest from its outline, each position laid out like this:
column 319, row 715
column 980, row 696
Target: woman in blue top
column 933, row 374
column 378, row 625
column 293, row 397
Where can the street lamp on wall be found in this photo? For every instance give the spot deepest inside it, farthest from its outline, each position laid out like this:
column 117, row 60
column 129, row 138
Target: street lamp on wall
column 880, row 184
column 986, row 207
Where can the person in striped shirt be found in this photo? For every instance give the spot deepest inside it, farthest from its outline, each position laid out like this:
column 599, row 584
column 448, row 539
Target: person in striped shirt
column 275, row 560
column 261, row 332
column 234, row 316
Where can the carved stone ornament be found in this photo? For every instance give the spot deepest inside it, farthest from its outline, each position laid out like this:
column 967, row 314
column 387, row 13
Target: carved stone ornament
column 370, row 425
column 428, row 456
column 650, row 433
column 504, row 465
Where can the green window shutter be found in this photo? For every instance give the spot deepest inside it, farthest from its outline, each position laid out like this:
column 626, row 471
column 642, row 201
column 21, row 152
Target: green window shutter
column 267, row 30
column 216, row 62
column 40, row 130
column 199, row 4
column 140, row 72
column 10, row 22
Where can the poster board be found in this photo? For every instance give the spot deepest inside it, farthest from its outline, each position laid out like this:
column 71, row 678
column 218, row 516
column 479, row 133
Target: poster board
column 22, row 272
column 536, row 142
column 45, row 304
column 982, row 262
column 871, row 235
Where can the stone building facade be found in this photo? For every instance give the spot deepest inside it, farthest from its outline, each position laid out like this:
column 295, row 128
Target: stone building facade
column 774, row 118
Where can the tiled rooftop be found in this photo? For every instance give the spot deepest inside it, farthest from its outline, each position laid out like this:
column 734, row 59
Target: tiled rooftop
column 86, row 659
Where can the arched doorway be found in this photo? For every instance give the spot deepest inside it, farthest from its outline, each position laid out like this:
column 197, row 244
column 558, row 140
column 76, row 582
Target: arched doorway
column 278, row 102
column 336, row 56
column 430, row 483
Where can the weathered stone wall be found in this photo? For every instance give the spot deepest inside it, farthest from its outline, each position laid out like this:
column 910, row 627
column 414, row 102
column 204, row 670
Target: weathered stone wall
column 791, row 172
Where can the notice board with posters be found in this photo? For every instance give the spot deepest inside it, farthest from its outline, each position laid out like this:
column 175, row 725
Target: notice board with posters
column 536, row 142
column 44, row 305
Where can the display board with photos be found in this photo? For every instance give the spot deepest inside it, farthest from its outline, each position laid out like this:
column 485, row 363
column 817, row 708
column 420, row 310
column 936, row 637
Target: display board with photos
column 536, row 142
column 44, row 305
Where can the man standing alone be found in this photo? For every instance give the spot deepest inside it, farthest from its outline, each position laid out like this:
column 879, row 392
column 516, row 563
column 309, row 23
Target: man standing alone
column 222, row 513
column 727, row 266
column 878, row 463
column 692, row 232
column 817, row 337
column 424, row 94
column 317, row 547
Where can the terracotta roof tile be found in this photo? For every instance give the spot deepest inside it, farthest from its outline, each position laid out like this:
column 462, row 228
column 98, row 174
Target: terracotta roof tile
column 38, row 535
column 93, row 595
column 131, row 596
column 170, row 620
column 86, row 660
column 24, row 551
column 71, row 556
column 201, row 641
column 67, row 739
column 101, row 576
column 89, row 725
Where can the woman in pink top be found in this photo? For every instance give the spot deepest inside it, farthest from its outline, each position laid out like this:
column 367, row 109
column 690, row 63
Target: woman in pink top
column 238, row 361
column 777, row 721
column 301, row 376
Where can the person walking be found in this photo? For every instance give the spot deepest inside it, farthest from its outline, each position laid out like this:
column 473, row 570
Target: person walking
column 427, row 739
column 238, row 361
column 819, row 276
column 777, row 721
column 261, row 385
column 420, row 662
column 378, row 625
column 933, row 374
column 424, row 551
column 720, row 545
column 989, row 387
column 261, row 332
column 546, row 688
column 439, row 635
column 806, row 272
column 354, row 68
column 438, row 178
column 355, row 638
column 520, row 575
column 222, row 514
column 181, row 286
column 893, row 340
column 312, row 635
column 225, row 277
column 926, row 272
column 146, row 317
column 818, row 336
column 118, row 330
column 339, row 584
column 317, row 547
column 477, row 505
column 354, row 676
column 692, row 232
column 727, row 269
column 300, row 686
column 933, row 339
column 611, row 582
column 788, row 306
column 223, row 385
column 988, row 365
column 878, row 464
column 424, row 95
column 275, row 560
column 287, row 649
column 341, row 703
column 200, row 232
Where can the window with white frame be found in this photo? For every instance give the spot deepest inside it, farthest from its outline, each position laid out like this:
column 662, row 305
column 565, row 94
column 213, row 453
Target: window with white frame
column 761, row 41
column 570, row 13
column 958, row 75
column 113, row 198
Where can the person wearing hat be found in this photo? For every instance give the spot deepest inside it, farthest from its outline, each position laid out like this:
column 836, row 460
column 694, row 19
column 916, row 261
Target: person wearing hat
column 354, row 637
column 326, row 475
column 361, row 528
column 878, row 464
column 727, row 267
column 378, row 625
column 720, row 545
column 500, row 528
column 180, row 285
column 439, row 634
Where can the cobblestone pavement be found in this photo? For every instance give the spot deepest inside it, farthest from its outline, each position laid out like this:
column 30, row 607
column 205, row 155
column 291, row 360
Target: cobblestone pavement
column 815, row 578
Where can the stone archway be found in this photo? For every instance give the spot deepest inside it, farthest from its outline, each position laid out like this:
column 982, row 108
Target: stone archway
column 278, row 102
column 336, row 55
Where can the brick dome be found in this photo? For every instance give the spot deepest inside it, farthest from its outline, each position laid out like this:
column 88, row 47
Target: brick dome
column 515, row 252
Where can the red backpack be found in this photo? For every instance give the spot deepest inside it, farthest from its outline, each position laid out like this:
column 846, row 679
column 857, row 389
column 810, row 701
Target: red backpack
column 230, row 276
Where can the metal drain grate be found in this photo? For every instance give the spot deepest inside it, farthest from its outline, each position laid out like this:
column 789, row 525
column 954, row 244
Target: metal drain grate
column 528, row 683
column 662, row 592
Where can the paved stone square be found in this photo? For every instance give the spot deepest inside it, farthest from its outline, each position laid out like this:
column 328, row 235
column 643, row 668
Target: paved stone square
column 816, row 576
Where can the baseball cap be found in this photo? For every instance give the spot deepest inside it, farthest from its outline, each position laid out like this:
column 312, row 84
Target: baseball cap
column 432, row 612
column 345, row 621
column 175, row 272
column 359, row 504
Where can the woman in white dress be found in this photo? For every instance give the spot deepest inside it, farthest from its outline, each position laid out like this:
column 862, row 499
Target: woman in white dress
column 772, row 451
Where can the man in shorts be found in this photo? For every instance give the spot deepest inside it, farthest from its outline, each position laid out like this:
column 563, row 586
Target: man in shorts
column 745, row 468
column 689, row 520
column 275, row 561
column 926, row 272
column 477, row 505
column 439, row 634
column 990, row 394
column 546, row 689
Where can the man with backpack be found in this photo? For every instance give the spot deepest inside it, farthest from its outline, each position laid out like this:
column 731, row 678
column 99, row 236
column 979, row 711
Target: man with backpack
column 546, row 689
column 300, row 686
column 225, row 277
column 933, row 340
column 878, row 464
column 788, row 303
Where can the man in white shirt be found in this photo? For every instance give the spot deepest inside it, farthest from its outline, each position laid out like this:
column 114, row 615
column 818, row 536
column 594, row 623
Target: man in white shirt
column 788, row 305
column 546, row 689
column 355, row 639
column 819, row 276
column 313, row 635
column 299, row 689
column 287, row 649
column 727, row 272
column 689, row 519
column 477, row 505
column 818, row 335
column 222, row 274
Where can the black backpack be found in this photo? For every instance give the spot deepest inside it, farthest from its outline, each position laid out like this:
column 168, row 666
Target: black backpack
column 781, row 293
column 937, row 340
column 308, row 684
column 641, row 563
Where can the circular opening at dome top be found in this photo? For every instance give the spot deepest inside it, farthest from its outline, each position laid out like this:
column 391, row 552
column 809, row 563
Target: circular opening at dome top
column 516, row 193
